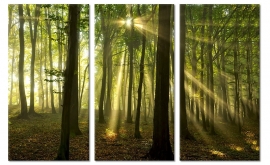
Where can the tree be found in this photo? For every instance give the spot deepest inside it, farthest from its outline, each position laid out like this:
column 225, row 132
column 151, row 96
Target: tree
column 137, row 121
column 184, row 133
column 63, row 151
column 84, row 77
column 60, row 40
column 33, row 42
column 194, row 103
column 130, row 50
column 74, row 108
column 48, row 22
column 161, row 147
column 210, row 61
column 21, row 66
column 106, row 48
column 40, row 69
column 202, row 68
column 236, row 74
column 10, row 8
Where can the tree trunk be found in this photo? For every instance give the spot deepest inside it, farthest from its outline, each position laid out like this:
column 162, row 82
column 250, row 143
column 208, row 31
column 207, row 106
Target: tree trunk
column 225, row 109
column 109, row 82
column 12, row 70
column 124, row 90
column 161, row 146
column 84, row 77
column 172, row 87
column 59, row 39
column 171, row 105
column 184, row 133
column 106, row 50
column 194, row 106
column 10, row 8
column 202, row 69
column 40, row 69
column 138, row 112
column 236, row 76
column 63, row 151
column 130, row 49
column 74, row 108
column 249, row 71
column 51, row 64
column 145, row 108
column 33, row 42
column 46, row 77
column 211, row 73
column 21, row 66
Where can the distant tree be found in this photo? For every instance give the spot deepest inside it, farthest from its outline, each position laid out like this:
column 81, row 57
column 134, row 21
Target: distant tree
column 138, row 112
column 211, row 72
column 130, row 50
column 106, row 49
column 184, row 133
column 48, row 22
column 41, row 69
column 60, row 40
column 10, row 8
column 33, row 39
column 202, row 68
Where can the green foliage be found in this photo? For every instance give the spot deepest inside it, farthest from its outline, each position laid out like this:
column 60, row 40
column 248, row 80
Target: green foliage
column 54, row 72
column 224, row 21
column 56, row 15
column 114, row 20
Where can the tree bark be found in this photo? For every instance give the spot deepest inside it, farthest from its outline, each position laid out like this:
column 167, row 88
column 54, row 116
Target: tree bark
column 46, row 77
column 10, row 8
column 74, row 108
column 130, row 49
column 33, row 42
column 63, row 151
column 59, row 39
column 40, row 69
column 51, row 64
column 21, row 66
column 109, row 82
column 106, row 44
column 236, row 75
column 84, row 77
column 161, row 146
column 12, row 70
column 211, row 73
column 184, row 132
column 202, row 95
column 138, row 112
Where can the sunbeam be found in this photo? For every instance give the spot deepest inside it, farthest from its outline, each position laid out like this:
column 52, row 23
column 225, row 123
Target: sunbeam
column 116, row 111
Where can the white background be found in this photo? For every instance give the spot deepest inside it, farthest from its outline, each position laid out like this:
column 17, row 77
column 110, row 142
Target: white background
column 264, row 76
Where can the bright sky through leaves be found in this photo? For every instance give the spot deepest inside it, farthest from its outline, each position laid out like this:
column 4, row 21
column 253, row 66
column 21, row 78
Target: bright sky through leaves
column 128, row 22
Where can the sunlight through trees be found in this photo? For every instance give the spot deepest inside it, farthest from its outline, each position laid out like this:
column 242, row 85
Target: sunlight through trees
column 38, row 68
column 220, row 62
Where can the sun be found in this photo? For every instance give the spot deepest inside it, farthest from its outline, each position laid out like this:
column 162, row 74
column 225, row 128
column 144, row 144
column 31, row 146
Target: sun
column 128, row 22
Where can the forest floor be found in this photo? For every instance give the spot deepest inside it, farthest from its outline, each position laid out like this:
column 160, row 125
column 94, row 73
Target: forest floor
column 124, row 146
column 226, row 144
column 38, row 138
